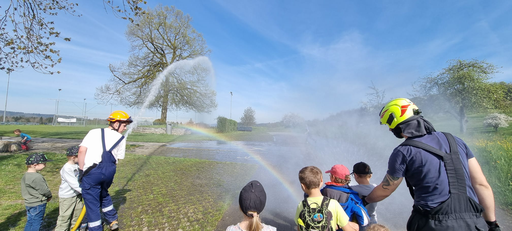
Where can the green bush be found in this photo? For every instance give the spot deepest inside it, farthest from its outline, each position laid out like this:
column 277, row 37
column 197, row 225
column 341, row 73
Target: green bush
column 159, row 122
column 225, row 125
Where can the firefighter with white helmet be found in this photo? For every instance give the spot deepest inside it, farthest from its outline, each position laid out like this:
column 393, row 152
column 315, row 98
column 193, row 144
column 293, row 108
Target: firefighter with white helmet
column 444, row 178
column 98, row 155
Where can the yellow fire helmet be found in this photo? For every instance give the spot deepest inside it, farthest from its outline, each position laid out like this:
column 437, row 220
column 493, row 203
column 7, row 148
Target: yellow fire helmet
column 396, row 111
column 120, row 116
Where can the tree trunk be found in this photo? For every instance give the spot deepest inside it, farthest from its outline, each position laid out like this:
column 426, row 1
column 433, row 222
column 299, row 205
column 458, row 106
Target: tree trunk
column 165, row 99
column 163, row 113
column 462, row 119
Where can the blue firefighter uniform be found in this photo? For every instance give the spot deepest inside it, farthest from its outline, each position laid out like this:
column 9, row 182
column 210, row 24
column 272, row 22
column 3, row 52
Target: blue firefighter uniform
column 95, row 184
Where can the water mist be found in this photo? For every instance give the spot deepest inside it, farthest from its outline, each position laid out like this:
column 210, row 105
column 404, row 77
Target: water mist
column 157, row 83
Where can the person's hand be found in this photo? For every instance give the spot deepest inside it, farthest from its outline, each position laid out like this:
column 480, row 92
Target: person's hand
column 365, row 203
column 493, row 226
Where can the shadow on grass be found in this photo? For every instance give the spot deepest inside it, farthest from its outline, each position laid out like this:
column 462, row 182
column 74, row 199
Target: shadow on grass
column 6, row 157
column 146, row 160
column 119, row 197
column 50, row 219
column 13, row 220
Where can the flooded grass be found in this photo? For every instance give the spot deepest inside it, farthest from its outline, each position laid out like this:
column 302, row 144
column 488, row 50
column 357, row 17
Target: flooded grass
column 149, row 192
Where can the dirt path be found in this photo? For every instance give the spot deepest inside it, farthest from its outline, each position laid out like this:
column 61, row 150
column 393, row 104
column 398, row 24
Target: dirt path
column 60, row 145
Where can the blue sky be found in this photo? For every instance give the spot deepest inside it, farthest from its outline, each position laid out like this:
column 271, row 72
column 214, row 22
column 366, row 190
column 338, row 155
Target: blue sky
column 313, row 58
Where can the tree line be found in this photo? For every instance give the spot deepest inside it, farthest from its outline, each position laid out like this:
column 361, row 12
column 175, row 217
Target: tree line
column 463, row 87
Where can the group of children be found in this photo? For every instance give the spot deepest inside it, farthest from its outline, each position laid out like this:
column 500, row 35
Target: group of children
column 337, row 206
column 337, row 203
column 36, row 192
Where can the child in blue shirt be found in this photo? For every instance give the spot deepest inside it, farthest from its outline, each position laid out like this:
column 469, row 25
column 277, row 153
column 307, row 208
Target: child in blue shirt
column 25, row 139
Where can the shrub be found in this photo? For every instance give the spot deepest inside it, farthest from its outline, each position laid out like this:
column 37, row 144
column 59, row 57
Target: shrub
column 496, row 121
column 225, row 125
column 159, row 122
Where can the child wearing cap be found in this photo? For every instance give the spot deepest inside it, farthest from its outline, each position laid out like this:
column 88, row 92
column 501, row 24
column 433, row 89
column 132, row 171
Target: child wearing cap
column 311, row 181
column 70, row 199
column 35, row 191
column 252, row 200
column 339, row 190
column 362, row 174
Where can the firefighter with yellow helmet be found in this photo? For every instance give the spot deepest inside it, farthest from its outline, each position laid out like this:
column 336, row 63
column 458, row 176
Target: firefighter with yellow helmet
column 444, row 178
column 98, row 155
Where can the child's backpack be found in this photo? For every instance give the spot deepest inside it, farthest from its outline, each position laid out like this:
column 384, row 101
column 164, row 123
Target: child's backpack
column 354, row 207
column 317, row 218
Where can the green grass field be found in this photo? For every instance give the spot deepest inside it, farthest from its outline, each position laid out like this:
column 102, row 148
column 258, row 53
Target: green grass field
column 78, row 132
column 165, row 193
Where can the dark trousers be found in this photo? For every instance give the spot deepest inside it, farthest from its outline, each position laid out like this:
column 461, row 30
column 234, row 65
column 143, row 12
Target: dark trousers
column 95, row 186
column 459, row 212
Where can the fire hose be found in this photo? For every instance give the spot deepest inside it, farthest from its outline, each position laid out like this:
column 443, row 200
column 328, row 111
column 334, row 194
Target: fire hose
column 79, row 221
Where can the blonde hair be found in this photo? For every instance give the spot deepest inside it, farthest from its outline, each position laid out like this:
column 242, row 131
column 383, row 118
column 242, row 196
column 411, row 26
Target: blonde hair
column 254, row 222
column 310, row 177
column 342, row 181
column 377, row 227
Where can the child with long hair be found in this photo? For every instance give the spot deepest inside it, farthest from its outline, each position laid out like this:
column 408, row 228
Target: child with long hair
column 252, row 200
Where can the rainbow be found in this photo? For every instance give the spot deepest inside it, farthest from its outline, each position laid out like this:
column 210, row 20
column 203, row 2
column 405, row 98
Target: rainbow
column 276, row 173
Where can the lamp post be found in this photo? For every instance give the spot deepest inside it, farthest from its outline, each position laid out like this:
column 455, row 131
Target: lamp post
column 57, row 109
column 231, row 106
column 7, row 93
column 85, row 111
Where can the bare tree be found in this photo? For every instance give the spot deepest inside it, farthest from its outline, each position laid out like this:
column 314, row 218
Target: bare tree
column 160, row 38
column 375, row 98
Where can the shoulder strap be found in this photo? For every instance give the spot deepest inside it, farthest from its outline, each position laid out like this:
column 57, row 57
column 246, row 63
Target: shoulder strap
column 103, row 141
column 305, row 204
column 325, row 202
column 328, row 215
column 117, row 143
column 455, row 172
column 452, row 162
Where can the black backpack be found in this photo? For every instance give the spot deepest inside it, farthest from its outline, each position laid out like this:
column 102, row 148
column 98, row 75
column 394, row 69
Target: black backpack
column 315, row 219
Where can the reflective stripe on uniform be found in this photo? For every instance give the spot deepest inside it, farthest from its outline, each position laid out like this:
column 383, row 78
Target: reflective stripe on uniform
column 94, row 224
column 107, row 208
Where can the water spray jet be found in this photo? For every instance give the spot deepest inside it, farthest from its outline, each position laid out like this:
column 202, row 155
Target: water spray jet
column 157, row 83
